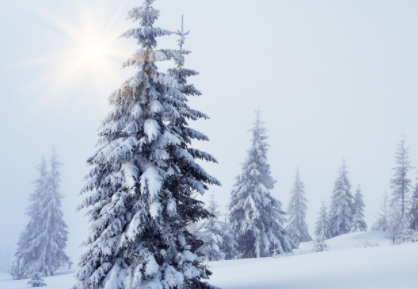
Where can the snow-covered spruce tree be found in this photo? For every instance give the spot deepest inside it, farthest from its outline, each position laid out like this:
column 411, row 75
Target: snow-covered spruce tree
column 319, row 244
column 256, row 217
column 26, row 255
column 382, row 220
column 57, row 228
column 41, row 245
column 414, row 210
column 140, row 192
column 322, row 224
column 358, row 224
column 211, row 234
column 297, row 228
column 229, row 246
column 36, row 280
column 216, row 239
column 341, row 210
column 405, row 233
column 401, row 187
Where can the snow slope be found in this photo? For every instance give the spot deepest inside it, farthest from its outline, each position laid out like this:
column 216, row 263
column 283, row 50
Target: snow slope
column 345, row 266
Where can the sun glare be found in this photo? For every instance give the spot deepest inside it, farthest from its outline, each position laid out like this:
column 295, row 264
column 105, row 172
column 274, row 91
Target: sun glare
column 85, row 55
column 94, row 50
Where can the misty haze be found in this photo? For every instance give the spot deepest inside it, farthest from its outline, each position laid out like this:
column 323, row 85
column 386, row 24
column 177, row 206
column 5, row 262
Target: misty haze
column 167, row 144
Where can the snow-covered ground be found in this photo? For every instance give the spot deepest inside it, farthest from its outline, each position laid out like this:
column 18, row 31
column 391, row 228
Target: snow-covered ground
column 346, row 265
column 64, row 280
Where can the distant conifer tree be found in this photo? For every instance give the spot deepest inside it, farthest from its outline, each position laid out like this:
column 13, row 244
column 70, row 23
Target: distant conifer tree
column 358, row 224
column 256, row 216
column 41, row 246
column 399, row 219
column 382, row 220
column 297, row 227
column 342, row 209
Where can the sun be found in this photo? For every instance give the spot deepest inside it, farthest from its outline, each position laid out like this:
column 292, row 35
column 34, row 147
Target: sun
column 95, row 50
column 84, row 54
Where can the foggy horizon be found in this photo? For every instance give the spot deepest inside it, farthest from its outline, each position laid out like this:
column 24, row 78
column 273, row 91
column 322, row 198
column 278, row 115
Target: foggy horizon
column 332, row 84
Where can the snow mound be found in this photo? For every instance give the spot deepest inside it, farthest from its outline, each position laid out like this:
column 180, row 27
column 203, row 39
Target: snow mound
column 349, row 241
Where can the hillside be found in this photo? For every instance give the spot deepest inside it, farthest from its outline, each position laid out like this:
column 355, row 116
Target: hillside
column 345, row 266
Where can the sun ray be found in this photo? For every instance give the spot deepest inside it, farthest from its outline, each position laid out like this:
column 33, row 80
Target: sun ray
column 86, row 53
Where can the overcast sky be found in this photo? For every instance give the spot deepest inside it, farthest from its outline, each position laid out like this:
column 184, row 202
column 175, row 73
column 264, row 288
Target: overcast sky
column 334, row 79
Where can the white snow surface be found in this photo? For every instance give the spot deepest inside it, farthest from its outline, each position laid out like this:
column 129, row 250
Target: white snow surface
column 349, row 241
column 63, row 280
column 347, row 265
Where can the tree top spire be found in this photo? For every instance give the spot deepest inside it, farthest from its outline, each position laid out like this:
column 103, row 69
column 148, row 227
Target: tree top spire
column 182, row 34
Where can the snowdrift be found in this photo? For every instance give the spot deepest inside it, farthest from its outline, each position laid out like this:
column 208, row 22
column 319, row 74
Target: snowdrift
column 349, row 241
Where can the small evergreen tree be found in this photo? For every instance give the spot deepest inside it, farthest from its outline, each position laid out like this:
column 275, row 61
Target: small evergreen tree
column 211, row 235
column 401, row 186
column 322, row 224
column 414, row 210
column 342, row 210
column 141, row 190
column 382, row 220
column 297, row 228
column 358, row 224
column 275, row 252
column 41, row 246
column 256, row 217
column 319, row 244
column 36, row 280
column 217, row 241
column 229, row 246
column 405, row 233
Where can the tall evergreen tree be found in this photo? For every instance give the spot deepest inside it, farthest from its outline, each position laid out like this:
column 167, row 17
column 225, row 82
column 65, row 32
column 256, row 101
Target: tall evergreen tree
column 56, row 226
column 27, row 256
column 256, row 217
column 382, row 220
column 140, row 192
column 358, row 224
column 322, row 224
column 401, row 186
column 218, row 242
column 41, row 246
column 297, row 228
column 414, row 210
column 342, row 210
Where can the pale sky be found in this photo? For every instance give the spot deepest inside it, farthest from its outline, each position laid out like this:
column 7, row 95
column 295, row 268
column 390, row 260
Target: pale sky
column 334, row 79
